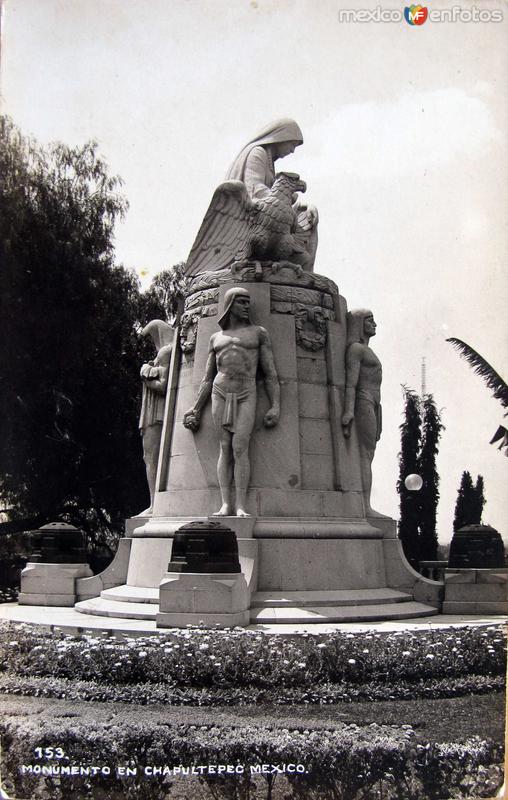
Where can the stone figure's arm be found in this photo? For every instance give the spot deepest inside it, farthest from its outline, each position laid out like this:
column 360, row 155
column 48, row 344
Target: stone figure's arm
column 272, row 385
column 255, row 172
column 157, row 377
column 155, row 373
column 354, row 357
column 192, row 418
column 147, row 370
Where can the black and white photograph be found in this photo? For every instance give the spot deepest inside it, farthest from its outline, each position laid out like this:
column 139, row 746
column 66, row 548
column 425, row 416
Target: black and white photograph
column 253, row 399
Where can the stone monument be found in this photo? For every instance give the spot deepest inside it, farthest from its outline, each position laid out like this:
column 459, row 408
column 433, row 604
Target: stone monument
column 283, row 451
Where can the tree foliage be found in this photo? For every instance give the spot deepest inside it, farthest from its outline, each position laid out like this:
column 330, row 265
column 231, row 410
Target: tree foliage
column 429, row 493
column 493, row 380
column 69, row 352
column 165, row 295
column 470, row 502
column 411, row 432
column 420, row 434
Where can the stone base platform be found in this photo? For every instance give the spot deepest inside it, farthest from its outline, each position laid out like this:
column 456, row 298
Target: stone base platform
column 297, row 571
column 68, row 620
column 134, row 602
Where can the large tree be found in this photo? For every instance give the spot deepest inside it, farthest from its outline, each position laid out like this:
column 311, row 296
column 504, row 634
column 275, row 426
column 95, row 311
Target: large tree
column 411, row 432
column 420, row 434
column 429, row 493
column 69, row 351
column 470, row 502
column 164, row 298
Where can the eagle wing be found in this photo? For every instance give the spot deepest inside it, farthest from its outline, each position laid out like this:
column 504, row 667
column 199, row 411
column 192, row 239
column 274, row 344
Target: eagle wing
column 224, row 230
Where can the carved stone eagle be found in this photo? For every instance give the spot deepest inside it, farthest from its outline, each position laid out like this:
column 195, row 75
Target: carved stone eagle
column 237, row 227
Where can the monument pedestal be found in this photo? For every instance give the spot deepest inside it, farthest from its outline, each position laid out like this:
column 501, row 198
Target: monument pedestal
column 308, row 551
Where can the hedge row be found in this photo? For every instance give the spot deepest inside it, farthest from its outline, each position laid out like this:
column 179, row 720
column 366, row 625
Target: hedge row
column 326, row 763
column 319, row 694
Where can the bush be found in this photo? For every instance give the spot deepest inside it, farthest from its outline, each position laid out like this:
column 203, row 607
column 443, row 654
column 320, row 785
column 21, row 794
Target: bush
column 336, row 763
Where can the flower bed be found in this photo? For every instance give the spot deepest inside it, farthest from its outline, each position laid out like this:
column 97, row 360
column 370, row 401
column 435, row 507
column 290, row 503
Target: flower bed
column 238, row 658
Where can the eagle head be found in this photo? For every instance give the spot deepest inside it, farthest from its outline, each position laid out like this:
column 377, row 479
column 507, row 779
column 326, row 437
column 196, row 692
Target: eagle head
column 291, row 180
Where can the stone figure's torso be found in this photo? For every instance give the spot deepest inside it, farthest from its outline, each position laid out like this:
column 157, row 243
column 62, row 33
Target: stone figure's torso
column 237, row 355
column 259, row 172
column 369, row 381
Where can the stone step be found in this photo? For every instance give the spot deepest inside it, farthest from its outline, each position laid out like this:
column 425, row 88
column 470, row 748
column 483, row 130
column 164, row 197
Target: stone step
column 100, row 607
column 342, row 597
column 132, row 594
column 360, row 613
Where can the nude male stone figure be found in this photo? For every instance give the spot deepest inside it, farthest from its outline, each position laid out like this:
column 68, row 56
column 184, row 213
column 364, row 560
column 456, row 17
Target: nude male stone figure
column 363, row 396
column 230, row 378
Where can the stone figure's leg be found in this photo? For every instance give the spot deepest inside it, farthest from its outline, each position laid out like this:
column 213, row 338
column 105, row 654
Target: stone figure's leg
column 241, row 438
column 151, row 445
column 366, row 425
column 225, row 462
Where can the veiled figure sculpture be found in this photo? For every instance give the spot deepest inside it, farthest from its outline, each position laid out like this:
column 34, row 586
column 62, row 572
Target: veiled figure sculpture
column 250, row 216
column 234, row 354
column 363, row 394
column 154, row 375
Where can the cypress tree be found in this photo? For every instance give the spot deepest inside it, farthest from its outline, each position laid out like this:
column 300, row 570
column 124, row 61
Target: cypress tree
column 470, row 502
column 429, row 493
column 411, row 432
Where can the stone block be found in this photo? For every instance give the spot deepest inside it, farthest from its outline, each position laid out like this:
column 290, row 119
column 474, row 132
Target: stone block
column 211, row 599
column 311, row 369
column 346, row 453
column 464, row 576
column 275, row 452
column 273, row 503
column 53, row 600
column 475, row 591
column 318, row 472
column 491, row 576
column 320, row 564
column 176, row 619
column 315, row 437
column 282, row 336
column 198, row 503
column 343, row 504
column 313, row 400
column 242, row 526
column 148, row 561
column 51, row 584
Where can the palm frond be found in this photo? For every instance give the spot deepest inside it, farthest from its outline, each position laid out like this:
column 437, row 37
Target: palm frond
column 493, row 380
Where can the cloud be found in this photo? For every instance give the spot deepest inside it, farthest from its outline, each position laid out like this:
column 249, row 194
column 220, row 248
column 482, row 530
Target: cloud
column 418, row 131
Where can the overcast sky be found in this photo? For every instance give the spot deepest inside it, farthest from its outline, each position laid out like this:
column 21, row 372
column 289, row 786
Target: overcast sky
column 405, row 156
